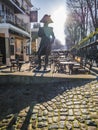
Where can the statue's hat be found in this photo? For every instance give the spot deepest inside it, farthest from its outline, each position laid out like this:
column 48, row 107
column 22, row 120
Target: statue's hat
column 46, row 19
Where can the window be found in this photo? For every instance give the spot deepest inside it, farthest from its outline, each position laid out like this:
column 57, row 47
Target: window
column 22, row 47
column 2, row 7
column 11, row 49
column 12, row 43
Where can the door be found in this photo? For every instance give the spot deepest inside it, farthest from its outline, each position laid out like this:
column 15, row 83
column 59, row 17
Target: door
column 3, row 49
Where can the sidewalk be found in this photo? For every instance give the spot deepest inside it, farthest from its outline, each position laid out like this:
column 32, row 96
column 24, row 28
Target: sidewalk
column 25, row 76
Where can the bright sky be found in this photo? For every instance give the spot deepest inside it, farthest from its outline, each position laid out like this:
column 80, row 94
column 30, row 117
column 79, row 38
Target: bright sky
column 57, row 10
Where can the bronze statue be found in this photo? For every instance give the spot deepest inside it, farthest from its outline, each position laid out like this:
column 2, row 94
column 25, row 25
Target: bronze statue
column 47, row 38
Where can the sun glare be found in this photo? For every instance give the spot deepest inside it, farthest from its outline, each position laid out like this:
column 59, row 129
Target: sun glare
column 59, row 17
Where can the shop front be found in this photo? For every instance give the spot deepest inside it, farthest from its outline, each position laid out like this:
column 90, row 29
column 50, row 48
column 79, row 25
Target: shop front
column 13, row 42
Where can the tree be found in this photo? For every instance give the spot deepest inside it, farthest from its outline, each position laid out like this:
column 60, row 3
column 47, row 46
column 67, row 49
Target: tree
column 82, row 18
column 93, row 8
column 72, row 30
column 57, row 45
column 79, row 11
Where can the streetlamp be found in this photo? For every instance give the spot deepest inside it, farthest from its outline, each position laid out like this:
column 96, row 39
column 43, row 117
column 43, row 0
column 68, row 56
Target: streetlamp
column 33, row 19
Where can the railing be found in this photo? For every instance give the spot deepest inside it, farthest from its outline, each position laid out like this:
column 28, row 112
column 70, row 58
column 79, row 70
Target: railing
column 17, row 3
column 21, row 6
column 11, row 18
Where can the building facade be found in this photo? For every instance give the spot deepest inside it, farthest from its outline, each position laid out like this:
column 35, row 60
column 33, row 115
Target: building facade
column 35, row 40
column 14, row 29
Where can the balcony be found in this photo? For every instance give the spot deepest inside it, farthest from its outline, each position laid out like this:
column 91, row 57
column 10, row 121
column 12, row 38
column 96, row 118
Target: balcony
column 14, row 4
column 19, row 23
column 14, row 20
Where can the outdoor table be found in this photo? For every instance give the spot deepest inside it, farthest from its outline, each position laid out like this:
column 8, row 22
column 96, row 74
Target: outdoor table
column 62, row 56
column 70, row 65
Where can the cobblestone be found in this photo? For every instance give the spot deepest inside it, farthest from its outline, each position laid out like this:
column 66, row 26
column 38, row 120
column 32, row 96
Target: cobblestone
column 65, row 106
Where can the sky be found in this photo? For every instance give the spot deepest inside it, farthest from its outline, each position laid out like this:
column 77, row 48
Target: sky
column 58, row 12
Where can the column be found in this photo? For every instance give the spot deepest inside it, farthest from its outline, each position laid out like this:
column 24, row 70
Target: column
column 7, row 46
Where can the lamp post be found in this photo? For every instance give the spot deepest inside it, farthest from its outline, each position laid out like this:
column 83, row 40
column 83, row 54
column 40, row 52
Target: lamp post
column 33, row 19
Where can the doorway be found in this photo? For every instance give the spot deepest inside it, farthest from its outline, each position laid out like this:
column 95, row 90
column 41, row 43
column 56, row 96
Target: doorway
column 3, row 49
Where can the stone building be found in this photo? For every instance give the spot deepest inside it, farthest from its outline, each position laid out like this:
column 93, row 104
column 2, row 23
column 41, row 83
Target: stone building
column 14, row 29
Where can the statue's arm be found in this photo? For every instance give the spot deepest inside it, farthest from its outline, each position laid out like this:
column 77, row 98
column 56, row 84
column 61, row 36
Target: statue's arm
column 53, row 36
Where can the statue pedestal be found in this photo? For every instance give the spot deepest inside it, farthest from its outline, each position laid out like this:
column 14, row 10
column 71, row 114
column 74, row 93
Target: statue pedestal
column 42, row 70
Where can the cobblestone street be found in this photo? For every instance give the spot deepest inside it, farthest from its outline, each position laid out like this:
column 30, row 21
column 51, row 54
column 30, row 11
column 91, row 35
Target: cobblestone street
column 48, row 65
column 68, row 105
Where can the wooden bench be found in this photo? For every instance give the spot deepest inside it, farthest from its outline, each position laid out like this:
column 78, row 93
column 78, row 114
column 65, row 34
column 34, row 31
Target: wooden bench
column 84, row 63
column 16, row 65
column 88, row 65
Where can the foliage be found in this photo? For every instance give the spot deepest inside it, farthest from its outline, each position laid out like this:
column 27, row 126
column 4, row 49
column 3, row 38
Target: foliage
column 82, row 19
column 93, row 8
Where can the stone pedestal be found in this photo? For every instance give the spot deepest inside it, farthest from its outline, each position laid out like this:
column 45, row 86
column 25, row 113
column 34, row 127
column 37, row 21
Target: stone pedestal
column 42, row 70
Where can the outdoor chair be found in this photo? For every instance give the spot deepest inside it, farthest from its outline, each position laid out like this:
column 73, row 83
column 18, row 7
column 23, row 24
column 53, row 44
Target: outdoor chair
column 13, row 65
column 33, row 62
column 16, row 63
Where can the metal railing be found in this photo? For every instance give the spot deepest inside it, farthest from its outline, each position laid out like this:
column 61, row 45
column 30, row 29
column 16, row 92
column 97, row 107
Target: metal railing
column 13, row 19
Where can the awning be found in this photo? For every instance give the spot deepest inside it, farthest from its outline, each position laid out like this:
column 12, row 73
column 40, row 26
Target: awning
column 13, row 28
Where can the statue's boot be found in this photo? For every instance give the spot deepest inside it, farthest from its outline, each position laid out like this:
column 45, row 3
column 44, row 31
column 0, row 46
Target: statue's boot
column 39, row 67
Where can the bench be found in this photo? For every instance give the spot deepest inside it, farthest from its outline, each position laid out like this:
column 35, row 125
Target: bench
column 84, row 63
column 16, row 65
column 88, row 65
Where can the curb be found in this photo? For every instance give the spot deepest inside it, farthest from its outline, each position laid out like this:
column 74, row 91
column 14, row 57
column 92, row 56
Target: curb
column 25, row 80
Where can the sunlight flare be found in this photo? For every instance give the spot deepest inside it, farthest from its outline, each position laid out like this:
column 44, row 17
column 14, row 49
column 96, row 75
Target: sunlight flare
column 59, row 18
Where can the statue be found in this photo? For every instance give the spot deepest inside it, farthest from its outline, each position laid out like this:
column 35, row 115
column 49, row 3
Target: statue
column 47, row 38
